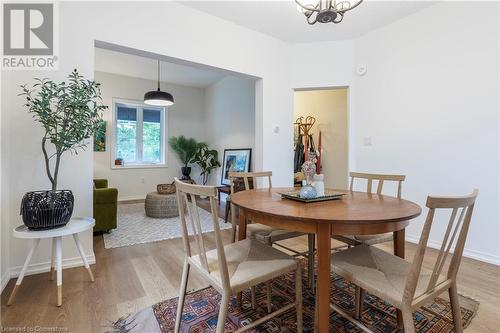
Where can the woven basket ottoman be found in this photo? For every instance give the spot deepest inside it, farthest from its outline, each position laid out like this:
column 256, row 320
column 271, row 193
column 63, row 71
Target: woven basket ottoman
column 161, row 205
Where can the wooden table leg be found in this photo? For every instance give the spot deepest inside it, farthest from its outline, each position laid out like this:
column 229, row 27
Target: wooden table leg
column 23, row 271
column 83, row 256
column 242, row 234
column 399, row 243
column 323, row 282
column 242, row 225
column 59, row 269
column 399, row 250
column 52, row 259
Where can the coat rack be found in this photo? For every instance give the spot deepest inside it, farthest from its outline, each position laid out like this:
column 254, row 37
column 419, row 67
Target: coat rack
column 305, row 125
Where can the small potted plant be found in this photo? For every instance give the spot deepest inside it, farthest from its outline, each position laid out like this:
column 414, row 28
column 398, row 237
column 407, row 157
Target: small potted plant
column 186, row 150
column 208, row 160
column 70, row 113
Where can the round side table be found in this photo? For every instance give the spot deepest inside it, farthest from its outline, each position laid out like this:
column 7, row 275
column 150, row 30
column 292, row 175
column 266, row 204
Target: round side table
column 74, row 226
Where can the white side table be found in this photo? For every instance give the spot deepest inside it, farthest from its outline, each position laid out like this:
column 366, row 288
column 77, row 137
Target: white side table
column 74, row 226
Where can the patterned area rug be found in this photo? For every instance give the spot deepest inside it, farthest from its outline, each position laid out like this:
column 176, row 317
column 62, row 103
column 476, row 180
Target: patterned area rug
column 201, row 311
column 134, row 227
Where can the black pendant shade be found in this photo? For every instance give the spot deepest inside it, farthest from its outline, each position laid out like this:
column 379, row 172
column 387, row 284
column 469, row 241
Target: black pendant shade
column 158, row 97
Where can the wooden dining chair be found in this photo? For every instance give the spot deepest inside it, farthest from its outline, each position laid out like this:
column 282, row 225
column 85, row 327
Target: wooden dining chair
column 230, row 268
column 407, row 285
column 264, row 233
column 353, row 240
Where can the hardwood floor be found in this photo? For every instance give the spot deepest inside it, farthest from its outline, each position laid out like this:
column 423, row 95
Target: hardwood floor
column 131, row 278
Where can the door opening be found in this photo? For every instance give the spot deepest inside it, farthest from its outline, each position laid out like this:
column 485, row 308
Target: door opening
column 327, row 140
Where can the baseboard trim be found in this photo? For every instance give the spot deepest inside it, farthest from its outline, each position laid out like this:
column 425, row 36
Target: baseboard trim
column 137, row 199
column 5, row 280
column 473, row 254
column 44, row 267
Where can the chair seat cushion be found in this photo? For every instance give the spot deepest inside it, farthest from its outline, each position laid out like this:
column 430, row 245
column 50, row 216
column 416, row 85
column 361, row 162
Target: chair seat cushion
column 378, row 272
column 249, row 262
column 365, row 239
column 374, row 239
column 268, row 234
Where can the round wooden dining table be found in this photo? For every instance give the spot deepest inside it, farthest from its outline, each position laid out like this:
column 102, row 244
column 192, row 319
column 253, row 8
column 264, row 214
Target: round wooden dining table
column 356, row 213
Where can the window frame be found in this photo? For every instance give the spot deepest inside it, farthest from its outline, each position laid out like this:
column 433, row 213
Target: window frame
column 139, row 106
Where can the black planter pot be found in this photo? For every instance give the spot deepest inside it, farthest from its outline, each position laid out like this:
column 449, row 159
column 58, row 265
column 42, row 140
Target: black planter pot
column 186, row 171
column 46, row 210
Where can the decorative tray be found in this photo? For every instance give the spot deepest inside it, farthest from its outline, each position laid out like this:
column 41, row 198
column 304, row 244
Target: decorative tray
column 329, row 195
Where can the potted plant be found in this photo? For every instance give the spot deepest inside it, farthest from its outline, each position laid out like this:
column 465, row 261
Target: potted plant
column 186, row 150
column 207, row 159
column 70, row 113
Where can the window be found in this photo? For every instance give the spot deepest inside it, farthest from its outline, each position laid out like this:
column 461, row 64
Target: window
column 139, row 134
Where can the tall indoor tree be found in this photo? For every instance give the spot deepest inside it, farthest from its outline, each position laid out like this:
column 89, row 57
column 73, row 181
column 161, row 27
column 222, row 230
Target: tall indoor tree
column 70, row 113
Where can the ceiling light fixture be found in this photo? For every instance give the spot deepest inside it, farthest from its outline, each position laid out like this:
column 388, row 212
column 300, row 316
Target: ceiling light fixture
column 325, row 11
column 158, row 97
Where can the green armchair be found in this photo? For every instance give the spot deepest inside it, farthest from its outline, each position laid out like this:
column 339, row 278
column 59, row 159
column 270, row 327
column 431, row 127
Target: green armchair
column 105, row 205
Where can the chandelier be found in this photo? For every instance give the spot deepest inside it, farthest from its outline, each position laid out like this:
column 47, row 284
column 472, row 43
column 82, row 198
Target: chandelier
column 325, row 11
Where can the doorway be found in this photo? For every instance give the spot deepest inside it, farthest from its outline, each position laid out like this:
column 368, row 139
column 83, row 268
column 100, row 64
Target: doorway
column 328, row 136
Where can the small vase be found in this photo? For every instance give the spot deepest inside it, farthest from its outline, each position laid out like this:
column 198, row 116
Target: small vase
column 307, row 192
column 186, row 171
column 319, row 185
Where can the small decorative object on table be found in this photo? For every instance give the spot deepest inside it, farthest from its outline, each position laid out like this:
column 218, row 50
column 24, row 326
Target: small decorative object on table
column 308, row 191
column 166, row 188
column 319, row 185
column 296, row 195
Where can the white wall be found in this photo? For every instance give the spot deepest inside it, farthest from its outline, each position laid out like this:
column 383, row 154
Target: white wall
column 186, row 117
column 430, row 103
column 165, row 28
column 230, row 116
column 329, row 108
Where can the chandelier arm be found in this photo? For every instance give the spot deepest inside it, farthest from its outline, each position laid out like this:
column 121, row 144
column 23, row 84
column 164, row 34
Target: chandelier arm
column 308, row 8
column 339, row 18
column 351, row 7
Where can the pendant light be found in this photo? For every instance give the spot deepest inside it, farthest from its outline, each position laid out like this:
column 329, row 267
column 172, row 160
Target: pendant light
column 158, row 97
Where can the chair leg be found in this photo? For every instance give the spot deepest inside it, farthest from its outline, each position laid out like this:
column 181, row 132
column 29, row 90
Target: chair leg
column 298, row 297
column 455, row 308
column 359, row 296
column 268, row 295
column 182, row 296
column 233, row 223
column 407, row 315
column 224, row 305
column 311, row 240
column 228, row 208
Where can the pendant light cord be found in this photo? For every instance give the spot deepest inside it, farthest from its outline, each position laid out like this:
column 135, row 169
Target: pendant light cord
column 158, row 74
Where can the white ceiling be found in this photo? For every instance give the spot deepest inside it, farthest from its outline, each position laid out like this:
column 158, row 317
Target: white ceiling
column 281, row 19
column 146, row 68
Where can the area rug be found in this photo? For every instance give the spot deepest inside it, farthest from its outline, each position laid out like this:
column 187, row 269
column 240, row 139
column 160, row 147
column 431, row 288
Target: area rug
column 201, row 310
column 134, row 227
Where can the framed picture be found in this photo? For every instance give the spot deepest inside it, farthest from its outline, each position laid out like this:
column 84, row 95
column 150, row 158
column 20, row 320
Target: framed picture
column 237, row 160
column 100, row 138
